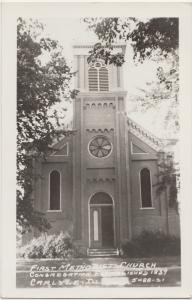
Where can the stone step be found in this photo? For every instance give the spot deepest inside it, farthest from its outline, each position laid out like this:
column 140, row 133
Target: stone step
column 103, row 252
column 102, row 249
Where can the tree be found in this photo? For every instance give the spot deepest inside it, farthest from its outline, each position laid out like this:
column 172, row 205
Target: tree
column 156, row 39
column 162, row 94
column 168, row 183
column 149, row 38
column 43, row 81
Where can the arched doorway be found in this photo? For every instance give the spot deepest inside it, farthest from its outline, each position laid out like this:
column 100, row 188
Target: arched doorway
column 101, row 221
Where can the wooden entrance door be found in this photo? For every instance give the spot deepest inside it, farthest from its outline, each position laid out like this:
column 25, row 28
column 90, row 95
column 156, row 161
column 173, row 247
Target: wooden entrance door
column 107, row 230
column 101, row 226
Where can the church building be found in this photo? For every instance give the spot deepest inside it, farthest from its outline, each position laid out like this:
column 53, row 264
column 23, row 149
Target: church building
column 100, row 184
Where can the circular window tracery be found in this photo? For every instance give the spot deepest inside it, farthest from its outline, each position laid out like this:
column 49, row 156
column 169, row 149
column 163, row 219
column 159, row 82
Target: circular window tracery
column 100, row 147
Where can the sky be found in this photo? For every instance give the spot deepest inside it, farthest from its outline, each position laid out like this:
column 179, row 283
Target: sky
column 71, row 31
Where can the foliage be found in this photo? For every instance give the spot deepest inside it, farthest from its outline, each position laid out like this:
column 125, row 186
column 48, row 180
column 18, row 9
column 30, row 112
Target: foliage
column 48, row 246
column 105, row 53
column 156, row 39
column 152, row 36
column 168, row 180
column 80, row 251
column 149, row 244
column 163, row 90
column 18, row 235
column 41, row 84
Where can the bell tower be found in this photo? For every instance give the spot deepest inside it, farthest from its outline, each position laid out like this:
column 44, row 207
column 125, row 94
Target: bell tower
column 101, row 187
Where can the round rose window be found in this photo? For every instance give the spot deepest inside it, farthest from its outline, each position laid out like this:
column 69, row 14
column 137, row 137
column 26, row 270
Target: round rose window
column 100, row 147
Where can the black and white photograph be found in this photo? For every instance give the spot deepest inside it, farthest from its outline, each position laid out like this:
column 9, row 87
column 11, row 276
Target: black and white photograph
column 98, row 199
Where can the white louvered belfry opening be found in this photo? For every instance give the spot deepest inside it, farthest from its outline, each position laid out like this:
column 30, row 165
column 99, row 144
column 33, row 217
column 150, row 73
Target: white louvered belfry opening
column 98, row 77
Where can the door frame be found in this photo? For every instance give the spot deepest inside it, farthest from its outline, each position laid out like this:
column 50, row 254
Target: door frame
column 100, row 205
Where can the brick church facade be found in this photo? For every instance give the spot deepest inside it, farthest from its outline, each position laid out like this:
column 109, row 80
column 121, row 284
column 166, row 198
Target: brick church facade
column 100, row 183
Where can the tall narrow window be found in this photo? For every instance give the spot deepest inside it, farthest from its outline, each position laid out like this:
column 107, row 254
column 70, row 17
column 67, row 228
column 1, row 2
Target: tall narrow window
column 98, row 77
column 145, row 180
column 95, row 225
column 54, row 190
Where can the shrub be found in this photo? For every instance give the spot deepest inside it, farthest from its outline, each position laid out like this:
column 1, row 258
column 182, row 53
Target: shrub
column 149, row 244
column 18, row 235
column 48, row 246
column 80, row 252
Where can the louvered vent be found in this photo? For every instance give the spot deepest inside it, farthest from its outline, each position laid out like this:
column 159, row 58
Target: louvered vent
column 103, row 79
column 98, row 78
column 93, row 79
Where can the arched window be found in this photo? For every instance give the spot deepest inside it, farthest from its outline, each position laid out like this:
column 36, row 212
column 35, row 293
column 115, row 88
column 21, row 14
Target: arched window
column 98, row 77
column 145, row 181
column 55, row 190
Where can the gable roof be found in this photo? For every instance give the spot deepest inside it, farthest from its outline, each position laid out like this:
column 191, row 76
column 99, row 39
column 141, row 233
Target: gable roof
column 144, row 135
